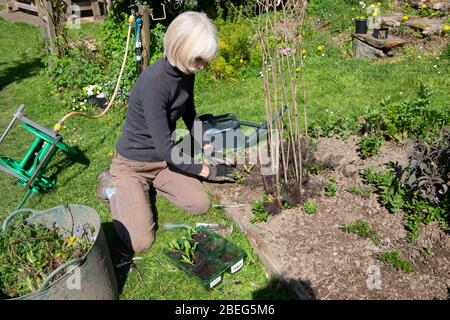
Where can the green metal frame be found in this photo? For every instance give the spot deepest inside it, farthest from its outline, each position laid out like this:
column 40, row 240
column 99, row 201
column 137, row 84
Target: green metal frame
column 30, row 170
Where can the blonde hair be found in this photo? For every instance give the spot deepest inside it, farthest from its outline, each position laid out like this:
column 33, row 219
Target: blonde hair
column 190, row 38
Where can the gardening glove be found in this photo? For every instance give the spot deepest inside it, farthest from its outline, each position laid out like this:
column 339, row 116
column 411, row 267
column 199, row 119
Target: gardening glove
column 214, row 158
column 220, row 173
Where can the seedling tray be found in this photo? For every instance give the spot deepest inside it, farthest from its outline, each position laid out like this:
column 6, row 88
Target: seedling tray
column 215, row 255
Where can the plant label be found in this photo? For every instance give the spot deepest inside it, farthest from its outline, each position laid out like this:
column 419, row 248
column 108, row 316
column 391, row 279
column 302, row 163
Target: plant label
column 237, row 266
column 215, row 281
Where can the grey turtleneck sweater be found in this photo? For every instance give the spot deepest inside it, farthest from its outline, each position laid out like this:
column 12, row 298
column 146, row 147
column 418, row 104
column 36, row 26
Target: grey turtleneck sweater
column 161, row 95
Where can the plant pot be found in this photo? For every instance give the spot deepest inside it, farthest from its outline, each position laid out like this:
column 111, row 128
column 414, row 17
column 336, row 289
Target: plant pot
column 384, row 33
column 361, row 26
column 376, row 33
column 90, row 277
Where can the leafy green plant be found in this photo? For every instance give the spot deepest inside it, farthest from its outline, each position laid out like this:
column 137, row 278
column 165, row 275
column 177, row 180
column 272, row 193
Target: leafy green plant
column 391, row 193
column 362, row 229
column 315, row 168
column 393, row 258
column 369, row 146
column 29, row 253
column 248, row 167
column 237, row 175
column 330, row 187
column 364, row 192
column 259, row 210
column 310, row 207
column 398, row 120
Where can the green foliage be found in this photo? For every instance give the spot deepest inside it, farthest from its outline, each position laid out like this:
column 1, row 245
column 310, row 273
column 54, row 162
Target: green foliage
column 391, row 193
column 393, row 258
column 238, row 48
column 310, row 207
column 29, row 253
column 157, row 42
column 259, row 211
column 330, row 123
column 237, row 175
column 398, row 120
column 315, row 168
column 362, row 229
column 364, row 192
column 394, row 195
column 330, row 187
column 248, row 167
column 369, row 146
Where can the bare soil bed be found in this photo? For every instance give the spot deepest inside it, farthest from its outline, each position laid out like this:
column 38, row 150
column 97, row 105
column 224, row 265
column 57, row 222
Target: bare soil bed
column 313, row 252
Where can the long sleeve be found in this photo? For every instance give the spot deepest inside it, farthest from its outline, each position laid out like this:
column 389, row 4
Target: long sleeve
column 156, row 118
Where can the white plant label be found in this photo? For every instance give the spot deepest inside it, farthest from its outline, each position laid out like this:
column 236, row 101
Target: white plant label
column 215, row 281
column 237, row 266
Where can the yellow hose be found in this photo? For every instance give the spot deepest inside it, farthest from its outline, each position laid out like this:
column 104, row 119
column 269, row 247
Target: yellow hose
column 58, row 126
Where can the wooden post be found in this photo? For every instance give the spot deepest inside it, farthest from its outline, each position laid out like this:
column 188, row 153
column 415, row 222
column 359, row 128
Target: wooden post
column 45, row 12
column 143, row 11
column 96, row 9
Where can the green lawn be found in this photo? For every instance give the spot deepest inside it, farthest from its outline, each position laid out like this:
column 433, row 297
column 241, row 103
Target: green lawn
column 335, row 83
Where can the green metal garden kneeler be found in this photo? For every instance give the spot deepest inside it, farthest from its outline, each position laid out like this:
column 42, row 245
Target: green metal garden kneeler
column 30, row 170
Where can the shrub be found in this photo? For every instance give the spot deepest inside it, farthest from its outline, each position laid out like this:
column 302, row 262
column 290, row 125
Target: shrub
column 398, row 120
column 310, row 207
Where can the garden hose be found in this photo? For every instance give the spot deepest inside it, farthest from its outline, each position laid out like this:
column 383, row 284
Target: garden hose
column 58, row 126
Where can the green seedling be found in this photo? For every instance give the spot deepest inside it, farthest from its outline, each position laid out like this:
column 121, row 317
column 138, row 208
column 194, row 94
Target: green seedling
column 362, row 229
column 248, row 167
column 310, row 207
column 393, row 258
column 238, row 177
column 330, row 187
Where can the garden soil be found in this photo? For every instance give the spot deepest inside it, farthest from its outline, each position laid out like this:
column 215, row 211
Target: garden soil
column 318, row 258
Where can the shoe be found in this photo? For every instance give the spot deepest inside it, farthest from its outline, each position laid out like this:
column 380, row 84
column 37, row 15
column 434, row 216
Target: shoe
column 105, row 181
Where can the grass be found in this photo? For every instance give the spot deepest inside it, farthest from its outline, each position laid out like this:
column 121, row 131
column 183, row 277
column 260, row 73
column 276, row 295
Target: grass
column 362, row 229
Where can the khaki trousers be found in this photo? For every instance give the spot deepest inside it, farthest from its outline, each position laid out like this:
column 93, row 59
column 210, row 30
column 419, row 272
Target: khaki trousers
column 131, row 205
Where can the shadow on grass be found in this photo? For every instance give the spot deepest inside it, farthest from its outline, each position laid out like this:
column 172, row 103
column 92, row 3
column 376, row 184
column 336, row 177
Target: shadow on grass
column 277, row 290
column 19, row 71
column 67, row 161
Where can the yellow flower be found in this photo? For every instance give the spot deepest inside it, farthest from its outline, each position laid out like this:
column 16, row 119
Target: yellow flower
column 424, row 6
column 379, row 4
column 405, row 18
column 110, row 154
column 375, row 12
column 372, row 5
column 241, row 61
column 71, row 240
column 297, row 69
column 446, row 27
column 320, row 48
column 304, row 51
column 292, row 78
